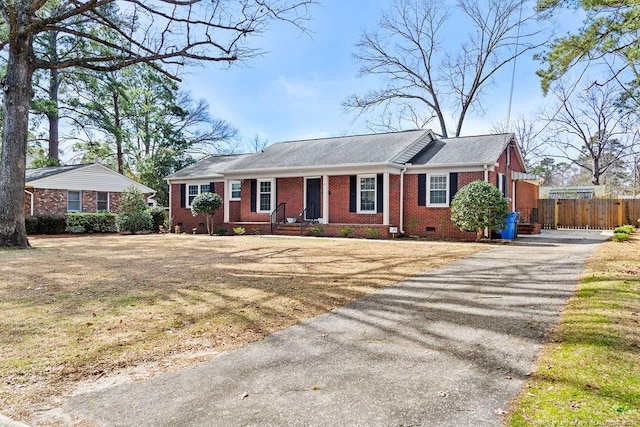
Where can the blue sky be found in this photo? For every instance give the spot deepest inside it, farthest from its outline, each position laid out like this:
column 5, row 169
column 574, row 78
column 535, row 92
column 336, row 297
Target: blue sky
column 295, row 90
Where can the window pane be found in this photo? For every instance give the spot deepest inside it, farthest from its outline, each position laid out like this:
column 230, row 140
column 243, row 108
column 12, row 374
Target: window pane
column 265, row 202
column 73, row 201
column 367, row 183
column 205, row 188
column 102, row 201
column 265, row 187
column 438, row 190
column 235, row 190
column 368, row 201
column 193, row 192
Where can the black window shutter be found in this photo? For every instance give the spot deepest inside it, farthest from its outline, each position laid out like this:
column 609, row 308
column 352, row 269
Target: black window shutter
column 353, row 193
column 422, row 189
column 212, row 187
column 379, row 192
column 453, row 185
column 183, row 195
column 253, row 195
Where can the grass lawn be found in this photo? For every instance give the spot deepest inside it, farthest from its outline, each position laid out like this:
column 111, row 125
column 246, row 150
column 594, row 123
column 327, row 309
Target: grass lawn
column 79, row 310
column 589, row 375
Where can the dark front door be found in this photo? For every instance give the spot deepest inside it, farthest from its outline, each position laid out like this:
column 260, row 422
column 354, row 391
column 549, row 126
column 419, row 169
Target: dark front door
column 313, row 198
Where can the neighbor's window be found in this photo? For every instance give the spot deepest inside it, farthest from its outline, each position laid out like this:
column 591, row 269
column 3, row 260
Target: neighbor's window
column 438, row 190
column 264, row 196
column 367, row 197
column 73, row 201
column 235, row 190
column 102, row 201
column 193, row 192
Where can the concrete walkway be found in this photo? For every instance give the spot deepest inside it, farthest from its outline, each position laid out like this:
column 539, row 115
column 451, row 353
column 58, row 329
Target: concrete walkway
column 450, row 347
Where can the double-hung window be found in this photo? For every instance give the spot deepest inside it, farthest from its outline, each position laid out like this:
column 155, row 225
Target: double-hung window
column 367, row 194
column 74, row 201
column 438, row 190
column 102, row 201
column 264, row 196
column 193, row 192
column 235, row 187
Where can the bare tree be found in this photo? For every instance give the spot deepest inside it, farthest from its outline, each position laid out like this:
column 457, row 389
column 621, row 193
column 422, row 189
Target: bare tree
column 166, row 34
column 422, row 79
column 589, row 129
column 529, row 136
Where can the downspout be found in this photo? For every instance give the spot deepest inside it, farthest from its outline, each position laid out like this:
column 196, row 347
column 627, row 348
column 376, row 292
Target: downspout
column 402, row 199
column 170, row 208
column 31, row 198
column 486, row 173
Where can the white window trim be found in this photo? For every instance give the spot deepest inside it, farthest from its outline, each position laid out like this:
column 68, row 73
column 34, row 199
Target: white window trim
column 375, row 193
column 272, row 193
column 438, row 205
column 199, row 185
column 79, row 200
column 231, row 198
column 108, row 200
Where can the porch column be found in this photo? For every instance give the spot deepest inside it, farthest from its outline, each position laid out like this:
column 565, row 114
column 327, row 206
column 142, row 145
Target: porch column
column 227, row 196
column 325, row 199
column 385, row 198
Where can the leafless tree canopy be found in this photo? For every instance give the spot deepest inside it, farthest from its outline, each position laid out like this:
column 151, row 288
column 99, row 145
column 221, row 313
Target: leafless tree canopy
column 529, row 136
column 589, row 129
column 422, row 80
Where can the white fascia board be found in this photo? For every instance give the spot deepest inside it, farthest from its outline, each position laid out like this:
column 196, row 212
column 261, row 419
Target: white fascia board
column 192, row 179
column 345, row 169
column 457, row 167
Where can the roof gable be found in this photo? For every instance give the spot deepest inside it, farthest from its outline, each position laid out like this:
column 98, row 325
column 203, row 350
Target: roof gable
column 90, row 177
column 465, row 150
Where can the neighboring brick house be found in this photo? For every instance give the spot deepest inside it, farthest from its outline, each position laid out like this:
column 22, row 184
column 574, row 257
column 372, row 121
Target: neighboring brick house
column 57, row 190
column 399, row 182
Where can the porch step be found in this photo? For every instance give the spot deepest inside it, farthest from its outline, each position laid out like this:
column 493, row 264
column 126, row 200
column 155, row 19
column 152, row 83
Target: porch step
column 288, row 230
column 529, row 228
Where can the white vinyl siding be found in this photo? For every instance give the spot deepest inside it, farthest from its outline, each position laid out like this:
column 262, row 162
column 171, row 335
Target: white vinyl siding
column 74, row 201
column 367, row 194
column 437, row 190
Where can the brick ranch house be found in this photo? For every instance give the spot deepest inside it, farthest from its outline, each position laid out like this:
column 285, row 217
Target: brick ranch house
column 399, row 182
column 91, row 187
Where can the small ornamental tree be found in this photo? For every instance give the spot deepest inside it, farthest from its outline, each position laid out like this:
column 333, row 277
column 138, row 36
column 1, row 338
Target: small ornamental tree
column 479, row 205
column 133, row 215
column 206, row 204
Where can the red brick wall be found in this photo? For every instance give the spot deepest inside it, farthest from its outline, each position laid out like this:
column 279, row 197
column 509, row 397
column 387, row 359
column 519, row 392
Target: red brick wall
column 418, row 218
column 54, row 202
column 185, row 219
column 339, row 204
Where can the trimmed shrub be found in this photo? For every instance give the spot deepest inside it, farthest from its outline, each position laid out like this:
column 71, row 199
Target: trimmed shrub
column 220, row 231
column 239, row 230
column 479, row 205
column 317, row 230
column 158, row 217
column 206, row 204
column 31, row 224
column 620, row 237
column 133, row 215
column 372, row 233
column 345, row 231
column 51, row 224
column 627, row 229
column 90, row 222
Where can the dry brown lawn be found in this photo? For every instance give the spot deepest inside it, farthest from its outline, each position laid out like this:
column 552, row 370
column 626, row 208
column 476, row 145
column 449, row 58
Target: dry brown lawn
column 78, row 311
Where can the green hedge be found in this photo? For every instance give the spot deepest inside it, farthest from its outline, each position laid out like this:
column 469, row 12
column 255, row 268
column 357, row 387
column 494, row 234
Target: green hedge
column 90, row 223
column 51, row 224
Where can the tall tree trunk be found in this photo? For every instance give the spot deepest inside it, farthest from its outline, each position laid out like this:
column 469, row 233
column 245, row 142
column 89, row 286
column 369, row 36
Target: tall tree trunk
column 596, row 171
column 118, row 132
column 18, row 92
column 53, row 115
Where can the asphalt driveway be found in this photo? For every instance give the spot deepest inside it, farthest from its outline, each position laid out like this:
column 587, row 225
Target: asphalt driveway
column 450, row 347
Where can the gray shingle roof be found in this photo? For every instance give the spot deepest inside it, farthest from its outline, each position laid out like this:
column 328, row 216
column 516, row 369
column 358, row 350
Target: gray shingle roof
column 327, row 152
column 39, row 173
column 209, row 167
column 417, row 147
column 481, row 149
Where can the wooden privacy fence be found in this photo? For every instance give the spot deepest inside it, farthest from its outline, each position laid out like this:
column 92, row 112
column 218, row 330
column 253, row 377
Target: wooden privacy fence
column 595, row 214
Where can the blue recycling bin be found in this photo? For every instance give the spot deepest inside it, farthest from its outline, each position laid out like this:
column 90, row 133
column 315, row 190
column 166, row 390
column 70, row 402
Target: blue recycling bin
column 512, row 223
